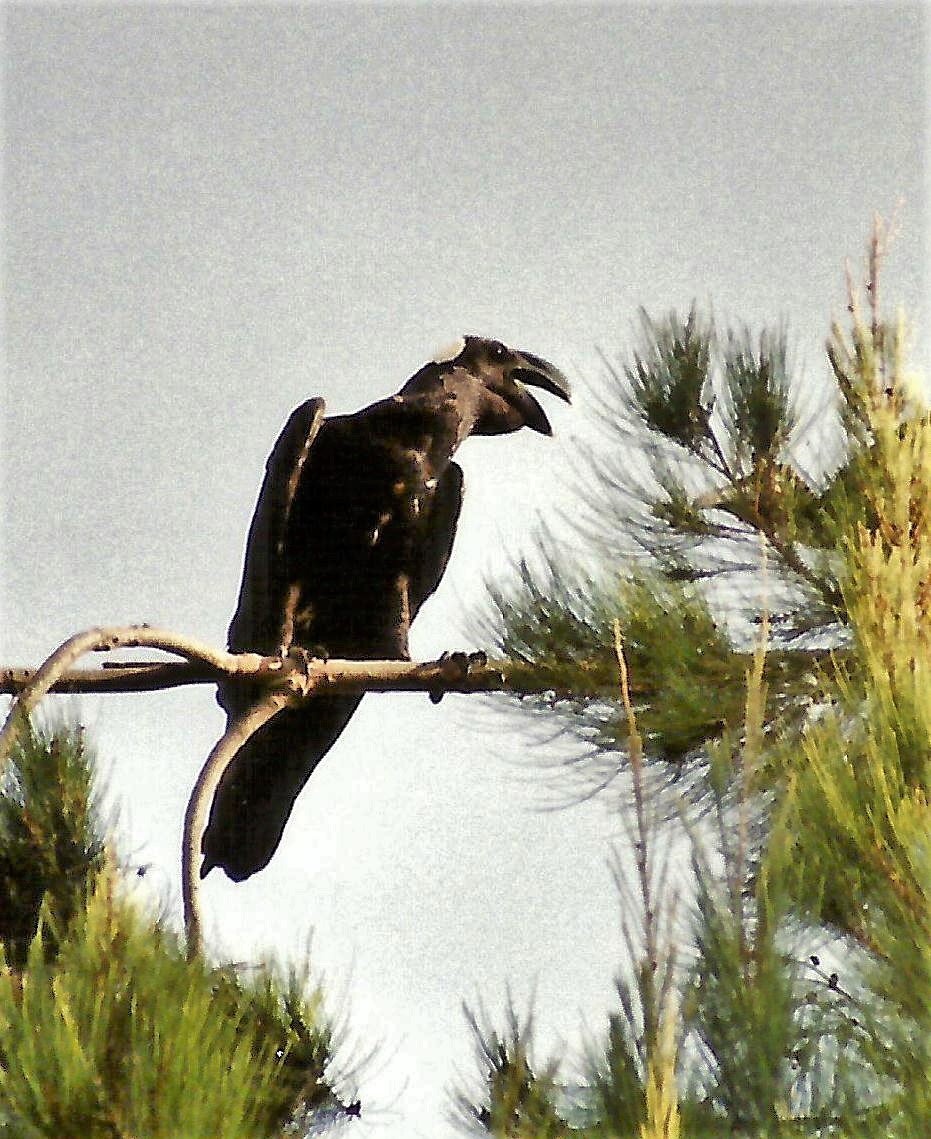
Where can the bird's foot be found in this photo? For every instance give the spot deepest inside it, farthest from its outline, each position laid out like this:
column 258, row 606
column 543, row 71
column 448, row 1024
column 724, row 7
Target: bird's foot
column 302, row 661
column 309, row 652
column 457, row 667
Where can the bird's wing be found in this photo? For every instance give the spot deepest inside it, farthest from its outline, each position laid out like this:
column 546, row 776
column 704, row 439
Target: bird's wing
column 260, row 612
column 438, row 544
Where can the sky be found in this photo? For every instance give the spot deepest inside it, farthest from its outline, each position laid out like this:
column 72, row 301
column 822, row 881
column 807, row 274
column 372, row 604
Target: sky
column 212, row 213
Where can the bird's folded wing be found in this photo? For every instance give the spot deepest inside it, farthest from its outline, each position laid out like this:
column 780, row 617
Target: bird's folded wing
column 260, row 611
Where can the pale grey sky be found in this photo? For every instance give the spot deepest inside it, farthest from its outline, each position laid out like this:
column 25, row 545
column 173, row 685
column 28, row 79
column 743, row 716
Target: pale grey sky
column 213, row 213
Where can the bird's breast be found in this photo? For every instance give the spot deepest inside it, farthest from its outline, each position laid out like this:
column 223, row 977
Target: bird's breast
column 353, row 538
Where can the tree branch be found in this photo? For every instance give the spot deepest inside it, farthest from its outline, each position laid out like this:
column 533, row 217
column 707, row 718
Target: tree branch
column 115, row 676
column 195, row 815
column 334, row 676
column 289, row 679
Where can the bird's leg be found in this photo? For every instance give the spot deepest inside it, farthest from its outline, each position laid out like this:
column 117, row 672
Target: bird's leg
column 286, row 646
column 397, row 647
column 286, row 631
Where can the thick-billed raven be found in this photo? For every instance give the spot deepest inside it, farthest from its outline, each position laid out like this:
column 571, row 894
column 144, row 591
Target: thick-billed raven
column 352, row 531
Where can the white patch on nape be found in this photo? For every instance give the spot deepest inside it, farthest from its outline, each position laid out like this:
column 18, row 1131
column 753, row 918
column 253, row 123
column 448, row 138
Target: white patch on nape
column 449, row 352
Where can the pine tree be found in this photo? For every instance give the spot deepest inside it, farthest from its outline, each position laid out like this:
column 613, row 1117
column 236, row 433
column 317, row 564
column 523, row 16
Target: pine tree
column 752, row 654
column 108, row 1027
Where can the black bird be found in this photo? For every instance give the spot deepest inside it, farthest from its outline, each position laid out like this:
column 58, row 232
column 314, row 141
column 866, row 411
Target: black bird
column 352, row 531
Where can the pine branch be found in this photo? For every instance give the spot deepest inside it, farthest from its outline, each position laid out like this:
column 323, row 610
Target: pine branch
column 333, row 676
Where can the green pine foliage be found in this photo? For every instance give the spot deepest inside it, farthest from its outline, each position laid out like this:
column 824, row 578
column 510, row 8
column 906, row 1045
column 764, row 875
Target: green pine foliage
column 776, row 621
column 562, row 636
column 107, row 1028
column 852, row 839
column 710, row 438
column 51, row 840
column 520, row 1097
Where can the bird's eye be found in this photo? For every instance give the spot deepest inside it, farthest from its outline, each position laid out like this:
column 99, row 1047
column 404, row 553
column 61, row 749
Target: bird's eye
column 498, row 351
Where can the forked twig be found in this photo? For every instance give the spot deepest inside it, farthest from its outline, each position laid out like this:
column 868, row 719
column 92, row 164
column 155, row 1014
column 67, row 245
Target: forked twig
column 105, row 639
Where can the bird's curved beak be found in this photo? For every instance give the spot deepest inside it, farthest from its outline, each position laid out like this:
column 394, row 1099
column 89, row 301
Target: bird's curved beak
column 534, row 371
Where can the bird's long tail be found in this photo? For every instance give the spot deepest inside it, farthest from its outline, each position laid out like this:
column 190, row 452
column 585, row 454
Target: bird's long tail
column 253, row 802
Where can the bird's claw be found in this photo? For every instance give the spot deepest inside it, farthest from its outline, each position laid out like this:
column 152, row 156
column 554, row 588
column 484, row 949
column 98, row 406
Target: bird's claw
column 302, row 660
column 300, row 656
column 457, row 667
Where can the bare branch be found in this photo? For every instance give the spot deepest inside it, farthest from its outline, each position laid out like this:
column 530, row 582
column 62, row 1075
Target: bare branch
column 115, row 676
column 195, row 816
column 642, row 849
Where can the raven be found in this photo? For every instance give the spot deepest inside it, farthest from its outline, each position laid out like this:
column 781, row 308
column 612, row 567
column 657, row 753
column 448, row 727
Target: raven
column 352, row 531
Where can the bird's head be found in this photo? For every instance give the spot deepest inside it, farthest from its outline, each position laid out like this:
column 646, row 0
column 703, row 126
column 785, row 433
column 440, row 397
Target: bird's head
column 489, row 383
